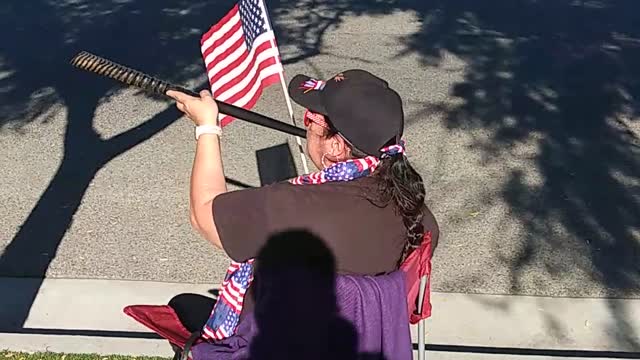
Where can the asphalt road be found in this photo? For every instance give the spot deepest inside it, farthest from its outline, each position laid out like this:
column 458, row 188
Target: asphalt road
column 527, row 138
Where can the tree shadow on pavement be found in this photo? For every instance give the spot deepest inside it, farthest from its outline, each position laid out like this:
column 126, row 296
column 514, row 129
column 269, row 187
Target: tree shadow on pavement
column 562, row 75
column 161, row 38
column 158, row 37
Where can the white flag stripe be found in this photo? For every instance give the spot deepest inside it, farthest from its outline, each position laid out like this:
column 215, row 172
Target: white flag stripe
column 221, row 32
column 223, row 47
column 273, row 69
column 223, row 63
column 237, row 53
column 232, row 301
column 233, row 287
column 237, row 71
column 263, row 56
column 208, row 332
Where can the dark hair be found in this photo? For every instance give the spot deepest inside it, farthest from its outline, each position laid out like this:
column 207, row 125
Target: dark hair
column 400, row 183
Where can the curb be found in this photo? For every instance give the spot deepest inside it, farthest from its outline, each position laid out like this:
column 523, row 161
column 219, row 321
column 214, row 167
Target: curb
column 85, row 316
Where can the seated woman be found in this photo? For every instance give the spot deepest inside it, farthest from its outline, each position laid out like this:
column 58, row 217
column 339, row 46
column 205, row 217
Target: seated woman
column 367, row 202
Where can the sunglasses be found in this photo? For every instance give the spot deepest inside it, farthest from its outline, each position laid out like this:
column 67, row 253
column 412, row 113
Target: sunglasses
column 318, row 119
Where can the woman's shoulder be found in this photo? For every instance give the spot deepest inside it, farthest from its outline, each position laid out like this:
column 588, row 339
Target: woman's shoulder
column 285, row 189
column 353, row 186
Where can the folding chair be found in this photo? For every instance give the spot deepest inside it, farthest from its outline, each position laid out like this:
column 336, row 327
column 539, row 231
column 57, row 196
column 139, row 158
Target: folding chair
column 163, row 320
column 417, row 268
column 422, row 350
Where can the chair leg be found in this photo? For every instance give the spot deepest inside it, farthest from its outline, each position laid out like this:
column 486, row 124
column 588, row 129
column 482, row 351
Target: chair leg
column 422, row 351
column 177, row 352
column 189, row 344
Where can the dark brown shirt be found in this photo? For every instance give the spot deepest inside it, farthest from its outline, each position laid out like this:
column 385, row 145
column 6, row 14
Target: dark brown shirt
column 365, row 237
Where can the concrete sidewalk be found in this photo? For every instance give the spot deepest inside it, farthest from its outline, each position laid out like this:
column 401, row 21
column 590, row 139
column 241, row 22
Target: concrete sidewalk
column 85, row 316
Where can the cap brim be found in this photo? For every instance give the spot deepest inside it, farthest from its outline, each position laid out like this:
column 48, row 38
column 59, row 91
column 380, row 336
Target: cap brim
column 307, row 98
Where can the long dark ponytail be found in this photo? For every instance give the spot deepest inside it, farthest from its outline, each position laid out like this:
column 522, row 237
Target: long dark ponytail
column 400, row 183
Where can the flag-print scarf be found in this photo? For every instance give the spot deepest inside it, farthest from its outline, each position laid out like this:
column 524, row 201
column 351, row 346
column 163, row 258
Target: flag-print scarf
column 225, row 315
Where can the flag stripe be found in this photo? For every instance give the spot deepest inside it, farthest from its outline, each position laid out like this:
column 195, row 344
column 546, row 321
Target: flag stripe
column 217, row 67
column 239, row 66
column 222, row 64
column 231, row 300
column 248, row 76
column 234, row 288
column 242, row 96
column 229, row 51
column 220, row 48
column 227, row 21
column 272, row 79
column 269, row 80
column 208, row 332
column 241, row 60
column 250, row 98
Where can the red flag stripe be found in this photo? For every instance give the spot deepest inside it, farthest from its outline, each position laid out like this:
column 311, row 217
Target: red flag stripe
column 236, row 74
column 224, row 55
column 221, row 46
column 243, row 95
column 270, row 80
column 221, row 71
column 238, row 95
column 225, row 20
column 225, row 85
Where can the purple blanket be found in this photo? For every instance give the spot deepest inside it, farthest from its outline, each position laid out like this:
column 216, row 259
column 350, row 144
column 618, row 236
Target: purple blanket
column 362, row 317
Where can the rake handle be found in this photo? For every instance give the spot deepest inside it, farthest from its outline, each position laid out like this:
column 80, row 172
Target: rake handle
column 101, row 66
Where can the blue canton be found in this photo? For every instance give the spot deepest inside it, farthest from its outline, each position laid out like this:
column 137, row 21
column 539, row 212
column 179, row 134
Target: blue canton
column 225, row 316
column 344, row 171
column 242, row 276
column 252, row 19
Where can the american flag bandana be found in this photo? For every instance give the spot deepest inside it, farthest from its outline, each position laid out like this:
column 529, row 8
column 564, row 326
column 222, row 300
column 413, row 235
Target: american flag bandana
column 342, row 171
column 225, row 315
column 312, row 84
column 226, row 312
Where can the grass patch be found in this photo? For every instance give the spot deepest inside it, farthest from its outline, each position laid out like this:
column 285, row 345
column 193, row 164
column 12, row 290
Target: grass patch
column 12, row 355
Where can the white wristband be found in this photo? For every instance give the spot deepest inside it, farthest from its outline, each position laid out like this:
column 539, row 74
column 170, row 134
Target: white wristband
column 208, row 129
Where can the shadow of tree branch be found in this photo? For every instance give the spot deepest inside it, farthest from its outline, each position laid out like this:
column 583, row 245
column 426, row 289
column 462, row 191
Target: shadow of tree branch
column 562, row 75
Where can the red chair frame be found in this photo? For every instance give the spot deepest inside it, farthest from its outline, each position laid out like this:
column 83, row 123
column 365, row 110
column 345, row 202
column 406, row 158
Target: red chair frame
column 164, row 321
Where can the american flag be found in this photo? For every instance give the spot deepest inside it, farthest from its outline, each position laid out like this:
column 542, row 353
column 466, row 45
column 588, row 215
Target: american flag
column 241, row 55
column 225, row 316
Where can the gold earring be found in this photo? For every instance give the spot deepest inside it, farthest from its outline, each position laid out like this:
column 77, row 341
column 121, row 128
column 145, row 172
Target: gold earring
column 322, row 160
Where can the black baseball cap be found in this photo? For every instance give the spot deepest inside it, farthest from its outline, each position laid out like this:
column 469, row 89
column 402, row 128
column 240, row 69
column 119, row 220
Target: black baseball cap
column 359, row 105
